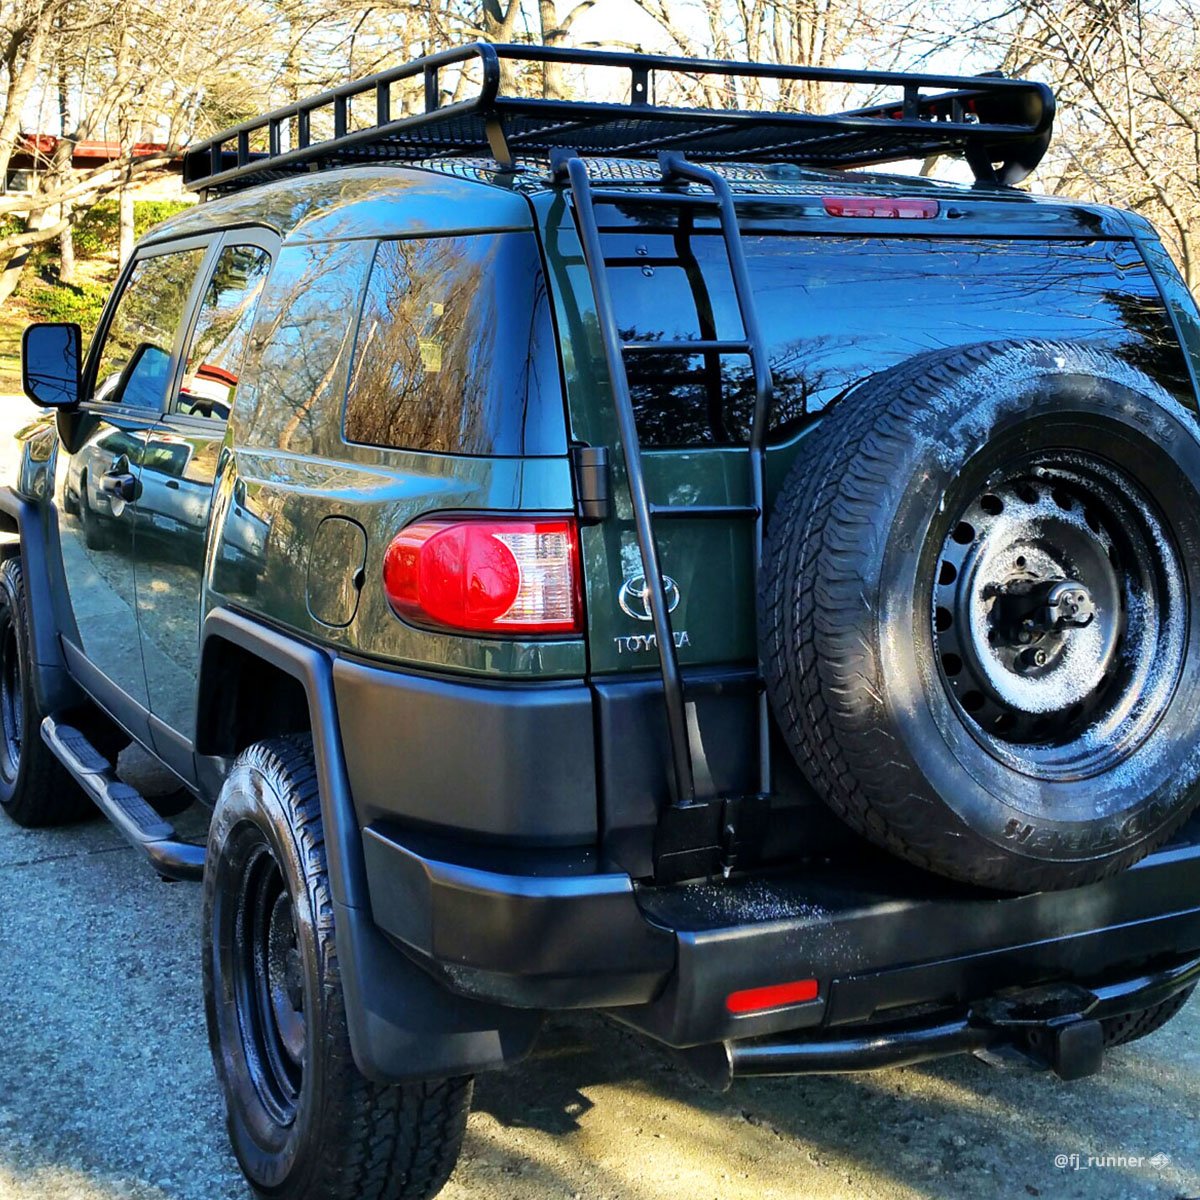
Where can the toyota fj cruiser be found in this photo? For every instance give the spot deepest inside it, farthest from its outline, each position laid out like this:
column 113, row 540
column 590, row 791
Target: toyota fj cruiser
column 620, row 556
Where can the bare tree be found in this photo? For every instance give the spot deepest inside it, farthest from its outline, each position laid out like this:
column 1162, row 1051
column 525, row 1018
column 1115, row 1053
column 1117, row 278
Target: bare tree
column 1128, row 129
column 138, row 72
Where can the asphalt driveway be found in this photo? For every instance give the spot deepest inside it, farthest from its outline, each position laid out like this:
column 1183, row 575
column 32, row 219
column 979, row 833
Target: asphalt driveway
column 106, row 1089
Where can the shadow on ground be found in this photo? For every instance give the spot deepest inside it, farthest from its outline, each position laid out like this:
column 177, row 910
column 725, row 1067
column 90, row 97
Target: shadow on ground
column 106, row 1089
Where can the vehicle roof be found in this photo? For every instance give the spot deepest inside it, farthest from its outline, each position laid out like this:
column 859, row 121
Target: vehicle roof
column 455, row 194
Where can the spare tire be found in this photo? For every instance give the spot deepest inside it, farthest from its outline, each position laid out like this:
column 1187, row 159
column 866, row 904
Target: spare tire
column 976, row 612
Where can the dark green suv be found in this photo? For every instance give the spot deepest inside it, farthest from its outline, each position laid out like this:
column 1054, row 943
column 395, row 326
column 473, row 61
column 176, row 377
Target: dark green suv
column 623, row 555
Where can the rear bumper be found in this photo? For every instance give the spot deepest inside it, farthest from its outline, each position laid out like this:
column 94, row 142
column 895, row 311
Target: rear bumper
column 550, row 930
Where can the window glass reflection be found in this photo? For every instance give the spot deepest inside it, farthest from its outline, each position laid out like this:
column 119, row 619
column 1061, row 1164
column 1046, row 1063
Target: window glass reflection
column 218, row 348
column 135, row 359
column 836, row 309
column 455, row 351
column 305, row 326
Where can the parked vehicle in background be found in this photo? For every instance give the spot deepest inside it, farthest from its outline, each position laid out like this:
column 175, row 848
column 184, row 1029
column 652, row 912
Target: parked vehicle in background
column 727, row 587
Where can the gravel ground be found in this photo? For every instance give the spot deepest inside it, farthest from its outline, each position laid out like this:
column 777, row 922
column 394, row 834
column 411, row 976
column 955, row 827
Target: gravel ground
column 106, row 1088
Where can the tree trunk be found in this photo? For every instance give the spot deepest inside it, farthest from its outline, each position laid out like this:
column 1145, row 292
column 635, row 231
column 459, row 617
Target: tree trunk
column 66, row 251
column 11, row 275
column 552, row 35
column 125, row 223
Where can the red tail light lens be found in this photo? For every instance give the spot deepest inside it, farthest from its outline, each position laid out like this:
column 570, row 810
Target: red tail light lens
column 488, row 576
column 903, row 207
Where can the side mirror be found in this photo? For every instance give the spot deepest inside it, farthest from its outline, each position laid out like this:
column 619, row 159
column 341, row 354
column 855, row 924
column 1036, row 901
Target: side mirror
column 50, row 356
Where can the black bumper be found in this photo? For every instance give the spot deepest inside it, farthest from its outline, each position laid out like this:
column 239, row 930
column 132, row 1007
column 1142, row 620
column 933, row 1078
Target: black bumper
column 884, row 942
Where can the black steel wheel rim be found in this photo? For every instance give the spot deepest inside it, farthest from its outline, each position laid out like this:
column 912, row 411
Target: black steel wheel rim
column 268, row 983
column 12, row 698
column 1059, row 614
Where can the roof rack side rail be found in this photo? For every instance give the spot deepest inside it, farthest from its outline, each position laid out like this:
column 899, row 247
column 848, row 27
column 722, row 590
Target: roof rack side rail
column 1001, row 126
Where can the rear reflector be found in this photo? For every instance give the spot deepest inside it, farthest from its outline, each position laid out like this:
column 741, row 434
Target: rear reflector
column 779, row 995
column 490, row 576
column 902, row 207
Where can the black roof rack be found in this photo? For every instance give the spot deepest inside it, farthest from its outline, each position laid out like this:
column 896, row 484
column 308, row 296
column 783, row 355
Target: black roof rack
column 1001, row 126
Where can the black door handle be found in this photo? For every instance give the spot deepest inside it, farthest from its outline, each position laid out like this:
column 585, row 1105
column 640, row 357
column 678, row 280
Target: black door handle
column 119, row 483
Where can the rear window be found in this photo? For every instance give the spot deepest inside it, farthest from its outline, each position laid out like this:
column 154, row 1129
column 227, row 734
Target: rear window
column 837, row 309
column 455, row 350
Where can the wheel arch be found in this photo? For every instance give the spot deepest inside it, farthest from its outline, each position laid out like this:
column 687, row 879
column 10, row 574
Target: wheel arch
column 403, row 1024
column 52, row 683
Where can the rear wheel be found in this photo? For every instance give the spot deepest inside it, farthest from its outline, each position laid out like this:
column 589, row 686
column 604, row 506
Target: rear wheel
column 305, row 1124
column 1140, row 1024
column 977, row 613
column 35, row 790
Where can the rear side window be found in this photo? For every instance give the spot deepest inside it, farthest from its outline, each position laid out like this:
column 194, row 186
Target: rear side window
column 455, row 350
column 304, row 325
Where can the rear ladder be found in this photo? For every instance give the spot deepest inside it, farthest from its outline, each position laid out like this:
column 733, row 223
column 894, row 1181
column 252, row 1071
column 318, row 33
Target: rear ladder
column 696, row 835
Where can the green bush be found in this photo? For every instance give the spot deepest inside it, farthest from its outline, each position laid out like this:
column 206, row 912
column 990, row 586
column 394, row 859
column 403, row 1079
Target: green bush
column 63, row 302
column 97, row 231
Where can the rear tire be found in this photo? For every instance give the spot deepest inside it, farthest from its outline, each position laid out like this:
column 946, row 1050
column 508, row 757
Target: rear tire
column 1118, row 1031
column 304, row 1122
column 35, row 789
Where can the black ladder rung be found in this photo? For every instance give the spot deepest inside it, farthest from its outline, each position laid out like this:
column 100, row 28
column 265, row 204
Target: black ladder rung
column 703, row 512
column 695, row 346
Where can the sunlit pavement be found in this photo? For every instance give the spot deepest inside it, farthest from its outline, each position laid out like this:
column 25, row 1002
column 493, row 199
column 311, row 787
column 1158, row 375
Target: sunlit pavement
column 106, row 1089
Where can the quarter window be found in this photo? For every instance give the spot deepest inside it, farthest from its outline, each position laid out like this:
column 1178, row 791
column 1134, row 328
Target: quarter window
column 214, row 361
column 135, row 359
column 455, row 350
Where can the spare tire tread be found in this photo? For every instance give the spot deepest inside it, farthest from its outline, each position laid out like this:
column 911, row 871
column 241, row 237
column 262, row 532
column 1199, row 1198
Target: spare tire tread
column 817, row 663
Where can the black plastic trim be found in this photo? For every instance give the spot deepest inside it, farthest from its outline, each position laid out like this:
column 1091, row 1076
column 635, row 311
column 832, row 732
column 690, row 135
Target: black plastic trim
column 550, row 929
column 402, row 1023
column 552, row 938
column 52, row 684
column 530, row 773
column 111, row 699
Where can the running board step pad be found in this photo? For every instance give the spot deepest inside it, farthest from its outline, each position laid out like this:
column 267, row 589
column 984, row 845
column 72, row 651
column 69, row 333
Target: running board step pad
column 123, row 804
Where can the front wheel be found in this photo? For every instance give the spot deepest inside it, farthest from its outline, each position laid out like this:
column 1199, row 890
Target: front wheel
column 304, row 1122
column 35, row 790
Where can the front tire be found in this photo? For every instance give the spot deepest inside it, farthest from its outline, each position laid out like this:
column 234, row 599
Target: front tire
column 304, row 1122
column 35, row 790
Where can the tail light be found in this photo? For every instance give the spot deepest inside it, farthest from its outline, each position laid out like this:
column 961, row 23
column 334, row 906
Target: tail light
column 487, row 576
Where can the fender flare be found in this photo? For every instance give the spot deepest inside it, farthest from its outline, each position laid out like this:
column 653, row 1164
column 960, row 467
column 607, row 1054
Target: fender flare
column 403, row 1024
column 53, row 687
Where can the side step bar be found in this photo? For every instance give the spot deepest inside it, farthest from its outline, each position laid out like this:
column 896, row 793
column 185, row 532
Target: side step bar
column 122, row 804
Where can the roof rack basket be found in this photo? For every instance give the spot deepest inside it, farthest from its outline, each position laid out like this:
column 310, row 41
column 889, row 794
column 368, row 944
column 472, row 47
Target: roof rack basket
column 1001, row 126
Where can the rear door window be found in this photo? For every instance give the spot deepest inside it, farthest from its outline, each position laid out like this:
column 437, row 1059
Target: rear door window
column 835, row 310
column 218, row 346
column 455, row 350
